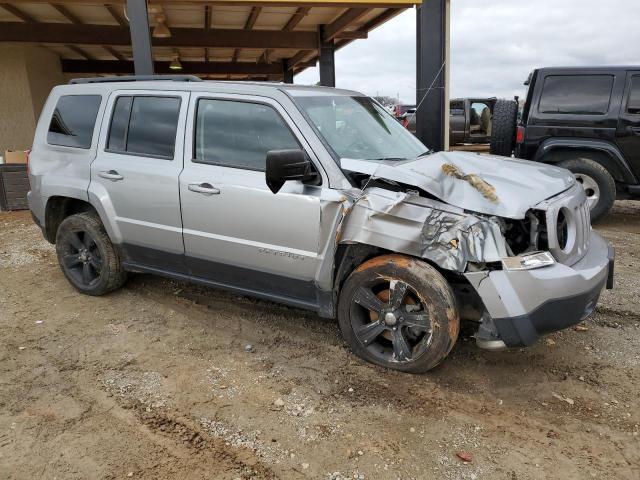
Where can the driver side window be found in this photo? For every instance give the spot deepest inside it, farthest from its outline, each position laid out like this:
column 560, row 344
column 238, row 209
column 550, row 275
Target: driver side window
column 239, row 134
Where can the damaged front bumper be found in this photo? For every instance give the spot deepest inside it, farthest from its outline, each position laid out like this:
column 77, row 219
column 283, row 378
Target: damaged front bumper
column 526, row 304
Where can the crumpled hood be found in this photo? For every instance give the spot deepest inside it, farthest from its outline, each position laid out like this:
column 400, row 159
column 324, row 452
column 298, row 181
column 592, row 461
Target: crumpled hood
column 492, row 185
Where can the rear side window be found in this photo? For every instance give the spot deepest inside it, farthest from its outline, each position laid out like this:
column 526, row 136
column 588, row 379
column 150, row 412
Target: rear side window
column 576, row 94
column 144, row 125
column 73, row 121
column 633, row 105
column 239, row 134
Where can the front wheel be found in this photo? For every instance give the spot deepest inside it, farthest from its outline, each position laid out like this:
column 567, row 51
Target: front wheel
column 399, row 313
column 87, row 256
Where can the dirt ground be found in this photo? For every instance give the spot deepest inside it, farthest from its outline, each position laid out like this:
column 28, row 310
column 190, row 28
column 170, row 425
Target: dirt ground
column 155, row 381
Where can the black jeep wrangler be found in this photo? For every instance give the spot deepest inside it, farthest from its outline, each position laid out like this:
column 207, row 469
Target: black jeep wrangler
column 587, row 120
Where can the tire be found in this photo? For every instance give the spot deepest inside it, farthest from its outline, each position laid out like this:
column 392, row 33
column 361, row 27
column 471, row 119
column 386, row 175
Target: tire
column 86, row 255
column 503, row 127
column 599, row 185
column 398, row 312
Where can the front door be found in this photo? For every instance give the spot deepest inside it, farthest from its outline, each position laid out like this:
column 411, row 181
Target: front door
column 135, row 175
column 628, row 135
column 236, row 232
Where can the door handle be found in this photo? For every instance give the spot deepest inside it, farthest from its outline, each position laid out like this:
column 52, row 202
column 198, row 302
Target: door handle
column 204, row 188
column 111, row 175
column 635, row 130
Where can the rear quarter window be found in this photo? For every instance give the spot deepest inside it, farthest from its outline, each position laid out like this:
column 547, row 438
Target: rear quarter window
column 73, row 121
column 576, row 94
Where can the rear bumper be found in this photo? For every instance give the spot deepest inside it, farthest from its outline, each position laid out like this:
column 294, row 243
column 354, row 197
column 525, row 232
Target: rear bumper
column 524, row 305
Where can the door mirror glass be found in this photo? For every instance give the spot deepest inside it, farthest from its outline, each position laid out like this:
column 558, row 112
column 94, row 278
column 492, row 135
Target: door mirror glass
column 284, row 165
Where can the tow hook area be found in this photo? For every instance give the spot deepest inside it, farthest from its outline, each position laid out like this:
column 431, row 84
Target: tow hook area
column 487, row 336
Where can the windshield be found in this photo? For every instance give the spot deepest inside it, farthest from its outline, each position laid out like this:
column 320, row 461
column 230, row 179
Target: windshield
column 359, row 128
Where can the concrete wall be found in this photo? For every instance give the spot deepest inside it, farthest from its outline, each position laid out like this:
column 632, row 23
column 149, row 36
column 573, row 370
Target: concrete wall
column 27, row 75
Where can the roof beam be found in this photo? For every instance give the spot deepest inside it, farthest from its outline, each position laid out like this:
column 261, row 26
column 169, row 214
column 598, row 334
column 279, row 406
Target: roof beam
column 253, row 18
column 343, row 21
column 61, row 33
column 64, row 11
column 207, row 26
column 113, row 10
column 296, row 18
column 293, row 22
column 16, row 12
column 113, row 52
column 195, row 68
column 76, row 49
column 251, row 21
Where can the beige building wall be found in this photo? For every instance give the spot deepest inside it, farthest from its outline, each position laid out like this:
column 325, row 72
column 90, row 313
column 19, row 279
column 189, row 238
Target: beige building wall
column 27, row 75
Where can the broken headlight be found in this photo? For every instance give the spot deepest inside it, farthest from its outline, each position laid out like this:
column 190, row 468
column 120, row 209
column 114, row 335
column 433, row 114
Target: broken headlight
column 528, row 261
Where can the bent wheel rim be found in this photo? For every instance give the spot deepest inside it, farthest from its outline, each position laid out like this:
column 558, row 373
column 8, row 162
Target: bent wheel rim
column 591, row 188
column 390, row 321
column 81, row 258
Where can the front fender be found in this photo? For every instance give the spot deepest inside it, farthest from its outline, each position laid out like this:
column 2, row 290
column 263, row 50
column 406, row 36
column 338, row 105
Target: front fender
column 425, row 228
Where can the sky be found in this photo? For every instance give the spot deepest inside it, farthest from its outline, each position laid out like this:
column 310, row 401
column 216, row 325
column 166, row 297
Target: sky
column 494, row 46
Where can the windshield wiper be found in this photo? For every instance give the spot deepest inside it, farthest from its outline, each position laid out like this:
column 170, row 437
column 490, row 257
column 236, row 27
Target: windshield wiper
column 423, row 154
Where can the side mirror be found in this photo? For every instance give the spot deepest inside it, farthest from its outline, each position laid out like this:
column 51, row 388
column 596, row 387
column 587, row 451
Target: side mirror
column 283, row 165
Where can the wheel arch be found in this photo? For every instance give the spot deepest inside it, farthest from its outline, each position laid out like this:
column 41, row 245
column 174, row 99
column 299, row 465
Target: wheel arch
column 58, row 208
column 349, row 256
column 602, row 152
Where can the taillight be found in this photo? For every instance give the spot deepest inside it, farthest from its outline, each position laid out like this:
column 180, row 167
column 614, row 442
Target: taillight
column 520, row 135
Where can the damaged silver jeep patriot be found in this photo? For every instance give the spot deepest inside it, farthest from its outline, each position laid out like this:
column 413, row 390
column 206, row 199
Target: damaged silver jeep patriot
column 316, row 198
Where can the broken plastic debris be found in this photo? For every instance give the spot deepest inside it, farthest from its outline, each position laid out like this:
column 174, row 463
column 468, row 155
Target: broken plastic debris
column 465, row 456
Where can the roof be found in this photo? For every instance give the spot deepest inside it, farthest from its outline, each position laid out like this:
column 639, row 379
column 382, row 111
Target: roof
column 232, row 39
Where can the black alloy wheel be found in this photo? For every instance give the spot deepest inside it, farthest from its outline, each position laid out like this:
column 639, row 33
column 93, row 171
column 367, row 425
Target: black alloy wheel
column 398, row 312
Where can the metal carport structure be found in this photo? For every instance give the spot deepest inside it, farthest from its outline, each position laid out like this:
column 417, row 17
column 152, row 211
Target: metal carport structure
column 230, row 39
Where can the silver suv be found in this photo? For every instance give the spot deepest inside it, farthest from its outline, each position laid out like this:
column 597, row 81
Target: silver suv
column 317, row 198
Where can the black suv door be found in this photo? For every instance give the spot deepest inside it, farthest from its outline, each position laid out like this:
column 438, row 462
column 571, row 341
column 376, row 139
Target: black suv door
column 628, row 135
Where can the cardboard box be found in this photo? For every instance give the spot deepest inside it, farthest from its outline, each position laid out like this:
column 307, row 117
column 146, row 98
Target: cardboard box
column 18, row 156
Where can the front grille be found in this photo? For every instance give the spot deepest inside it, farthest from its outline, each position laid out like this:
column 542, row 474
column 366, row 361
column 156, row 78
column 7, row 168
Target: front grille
column 568, row 225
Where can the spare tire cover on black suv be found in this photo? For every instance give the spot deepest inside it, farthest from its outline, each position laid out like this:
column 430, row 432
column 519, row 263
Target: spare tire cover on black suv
column 503, row 130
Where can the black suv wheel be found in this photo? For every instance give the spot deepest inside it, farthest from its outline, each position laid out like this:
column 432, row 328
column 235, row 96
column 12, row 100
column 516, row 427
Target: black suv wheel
column 598, row 184
column 87, row 256
column 399, row 313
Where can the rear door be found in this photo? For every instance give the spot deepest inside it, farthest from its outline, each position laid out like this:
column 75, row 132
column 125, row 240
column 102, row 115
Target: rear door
column 236, row 232
column 135, row 175
column 628, row 135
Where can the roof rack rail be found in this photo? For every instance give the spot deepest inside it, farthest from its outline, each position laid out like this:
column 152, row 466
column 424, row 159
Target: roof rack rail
column 137, row 78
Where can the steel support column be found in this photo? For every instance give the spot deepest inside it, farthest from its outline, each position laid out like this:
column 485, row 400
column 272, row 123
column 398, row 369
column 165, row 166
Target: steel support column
column 327, row 61
column 140, row 36
column 432, row 69
column 287, row 73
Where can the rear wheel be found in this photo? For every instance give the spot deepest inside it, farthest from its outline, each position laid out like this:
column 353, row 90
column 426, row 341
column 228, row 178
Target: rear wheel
column 599, row 186
column 87, row 256
column 503, row 127
column 398, row 312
